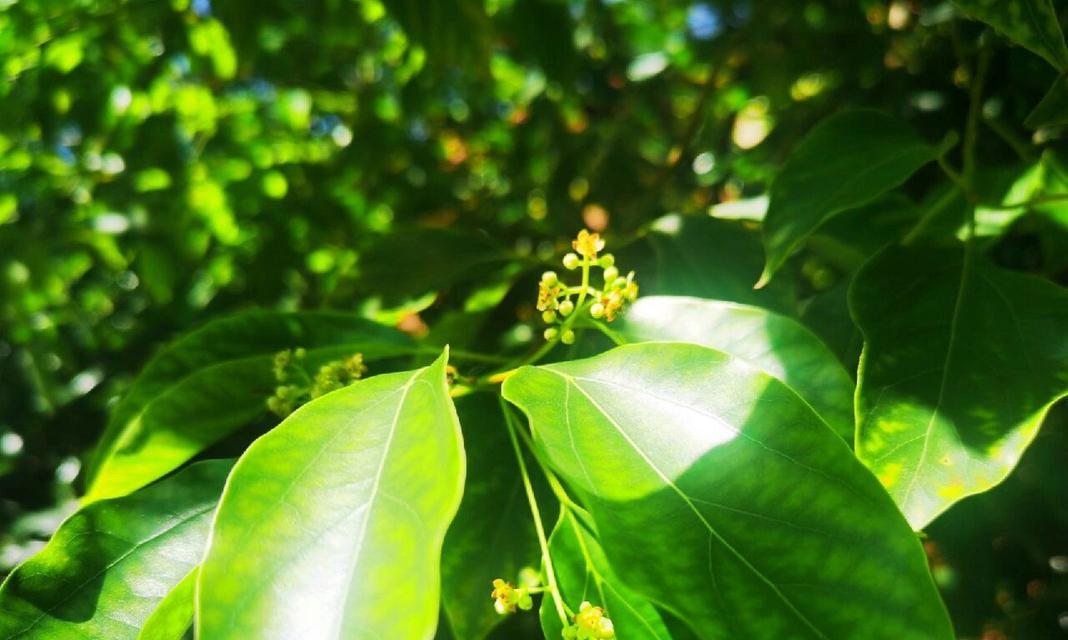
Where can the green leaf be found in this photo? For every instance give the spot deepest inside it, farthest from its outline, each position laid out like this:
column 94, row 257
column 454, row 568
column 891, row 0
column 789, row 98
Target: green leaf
column 173, row 618
column 1052, row 111
column 109, row 565
column 213, row 381
column 827, row 314
column 717, row 493
column 1029, row 23
column 583, row 573
column 846, row 161
column 774, row 344
column 709, row 258
column 961, row 362
column 492, row 535
column 331, row 525
column 412, row 262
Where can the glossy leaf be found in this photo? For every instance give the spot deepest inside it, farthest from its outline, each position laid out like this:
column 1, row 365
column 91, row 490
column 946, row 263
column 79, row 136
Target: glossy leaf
column 717, row 493
column 960, row 364
column 173, row 618
column 846, row 161
column 827, row 315
column 709, row 258
column 432, row 260
column 213, row 381
column 331, row 525
column 583, row 573
column 1030, row 23
column 492, row 535
column 108, row 566
column 774, row 344
column 1052, row 111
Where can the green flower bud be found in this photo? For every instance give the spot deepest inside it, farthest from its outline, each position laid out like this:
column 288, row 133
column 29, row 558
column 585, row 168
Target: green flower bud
column 299, row 353
column 566, row 307
column 568, row 337
column 619, row 283
column 551, row 333
column 526, row 603
column 597, row 310
column 548, row 316
column 571, row 261
column 607, row 260
column 550, row 278
column 610, row 274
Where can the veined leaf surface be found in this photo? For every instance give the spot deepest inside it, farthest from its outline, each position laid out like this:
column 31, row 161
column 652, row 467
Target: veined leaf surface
column 960, row 365
column 716, row 491
column 331, row 525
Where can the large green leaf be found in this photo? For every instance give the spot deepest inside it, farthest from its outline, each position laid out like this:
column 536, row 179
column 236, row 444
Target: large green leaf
column 719, row 494
column 583, row 574
column 1029, row 23
column 411, row 262
column 777, row 345
column 112, row 562
column 331, row 525
column 213, row 381
column 173, row 618
column 709, row 258
column 846, row 161
column 827, row 314
column 1052, row 110
column 493, row 534
column 961, row 362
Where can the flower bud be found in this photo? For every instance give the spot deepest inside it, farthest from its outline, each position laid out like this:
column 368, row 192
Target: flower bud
column 610, row 274
column 548, row 316
column 597, row 310
column 550, row 278
column 571, row 261
column 551, row 333
column 568, row 336
column 566, row 307
column 607, row 260
column 526, row 603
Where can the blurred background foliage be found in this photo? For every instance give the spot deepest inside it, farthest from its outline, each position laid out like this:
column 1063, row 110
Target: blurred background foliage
column 165, row 161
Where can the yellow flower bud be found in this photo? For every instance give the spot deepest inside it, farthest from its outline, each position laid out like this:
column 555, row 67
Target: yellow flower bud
column 571, row 261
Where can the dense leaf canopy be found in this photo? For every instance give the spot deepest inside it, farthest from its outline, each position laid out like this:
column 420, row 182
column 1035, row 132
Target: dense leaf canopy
column 312, row 237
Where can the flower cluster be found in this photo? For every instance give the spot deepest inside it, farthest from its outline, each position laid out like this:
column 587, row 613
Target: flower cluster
column 591, row 623
column 295, row 386
column 337, row 374
column 555, row 297
column 507, row 597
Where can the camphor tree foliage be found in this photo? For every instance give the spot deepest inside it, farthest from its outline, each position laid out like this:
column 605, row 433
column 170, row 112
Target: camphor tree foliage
column 563, row 319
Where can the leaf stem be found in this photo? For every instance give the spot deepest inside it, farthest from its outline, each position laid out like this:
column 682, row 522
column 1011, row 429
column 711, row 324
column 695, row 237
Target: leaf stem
column 535, row 512
column 971, row 133
column 554, row 482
